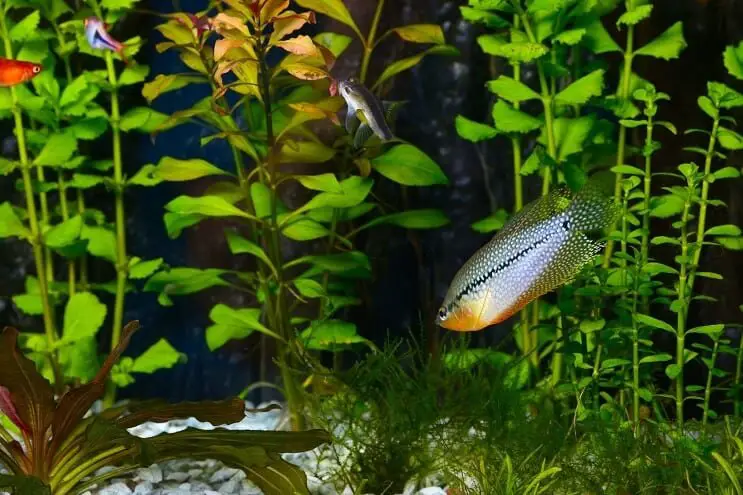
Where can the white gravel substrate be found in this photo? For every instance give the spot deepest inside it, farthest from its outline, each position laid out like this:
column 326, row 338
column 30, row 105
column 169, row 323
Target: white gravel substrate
column 190, row 477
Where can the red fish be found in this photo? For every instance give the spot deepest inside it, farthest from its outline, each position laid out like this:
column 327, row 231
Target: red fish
column 14, row 72
column 97, row 35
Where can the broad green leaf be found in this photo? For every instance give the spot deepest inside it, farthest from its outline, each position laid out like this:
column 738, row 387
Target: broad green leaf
column 164, row 83
column 653, row 268
column 413, row 219
column 331, row 8
column 508, row 119
column 336, row 43
column 421, row 33
column 656, row 358
column 491, row 223
column 10, row 224
column 58, row 149
column 309, row 288
column 713, row 331
column 570, row 37
column 666, row 206
column 26, row 27
column 142, row 119
column 512, row 90
column 582, row 90
column 548, row 6
column 304, row 229
column 614, row 363
column 723, row 95
column 21, row 484
column 331, row 335
column 143, row 269
column 240, row 245
column 175, row 170
column 731, row 243
column 708, row 107
column 730, row 139
column 733, row 59
column 673, row 371
column 321, row 182
column 89, row 128
column 160, row 355
column 598, row 40
column 590, row 326
column 519, row 52
column 489, row 19
column 209, row 206
column 726, row 173
column 181, row 281
column 724, row 231
column 83, row 317
column 666, row 46
column 473, row 131
column 64, row 234
column 230, row 324
column 570, row 135
column 354, row 191
column 101, row 242
column 133, row 75
column 408, row 63
column 408, row 165
column 636, row 15
column 654, row 323
column 305, row 152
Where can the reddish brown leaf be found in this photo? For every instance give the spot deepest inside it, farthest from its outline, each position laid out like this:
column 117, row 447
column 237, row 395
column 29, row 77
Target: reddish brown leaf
column 288, row 22
column 300, row 45
column 29, row 392
column 327, row 55
column 75, row 403
column 221, row 47
column 272, row 8
column 215, row 412
column 306, row 72
column 7, row 408
column 227, row 25
column 333, row 89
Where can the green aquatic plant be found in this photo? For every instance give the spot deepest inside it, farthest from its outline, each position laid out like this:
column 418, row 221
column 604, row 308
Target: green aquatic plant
column 61, row 451
column 278, row 104
column 56, row 119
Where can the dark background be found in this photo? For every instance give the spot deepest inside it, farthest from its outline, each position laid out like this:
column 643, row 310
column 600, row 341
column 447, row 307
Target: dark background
column 412, row 272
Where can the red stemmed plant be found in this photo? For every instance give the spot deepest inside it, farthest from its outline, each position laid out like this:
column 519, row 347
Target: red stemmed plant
column 57, row 450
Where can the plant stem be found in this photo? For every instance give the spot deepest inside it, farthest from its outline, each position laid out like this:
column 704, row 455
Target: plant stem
column 623, row 94
column 645, row 240
column 369, row 43
column 293, row 394
column 736, row 382
column 35, row 235
column 702, row 222
column 681, row 315
column 122, row 261
column 84, row 258
column 71, row 275
column 708, row 385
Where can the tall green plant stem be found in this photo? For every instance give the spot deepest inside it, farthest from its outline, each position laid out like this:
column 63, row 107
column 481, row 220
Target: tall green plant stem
column 122, row 260
column 549, row 122
column 702, row 222
column 518, row 191
column 708, row 385
column 282, row 319
column 623, row 94
column 369, row 42
column 647, row 182
column 738, row 404
column 681, row 314
column 33, row 219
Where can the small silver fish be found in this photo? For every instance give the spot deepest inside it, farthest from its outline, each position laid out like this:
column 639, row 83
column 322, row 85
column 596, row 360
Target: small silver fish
column 541, row 248
column 358, row 98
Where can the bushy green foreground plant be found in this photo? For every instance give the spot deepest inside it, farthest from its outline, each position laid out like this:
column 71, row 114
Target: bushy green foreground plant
column 56, row 120
column 300, row 301
column 61, row 450
column 595, row 346
column 473, row 424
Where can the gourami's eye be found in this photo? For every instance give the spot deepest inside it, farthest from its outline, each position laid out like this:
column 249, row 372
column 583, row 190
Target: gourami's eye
column 443, row 313
column 36, row 69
